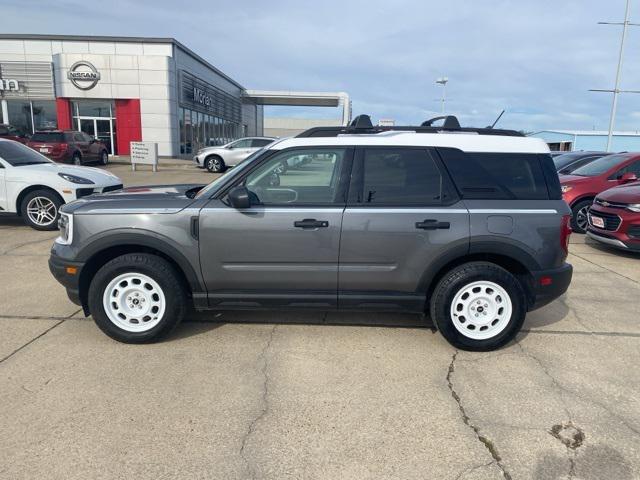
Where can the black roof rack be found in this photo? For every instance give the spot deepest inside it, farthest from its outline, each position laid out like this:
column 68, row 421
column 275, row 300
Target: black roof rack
column 362, row 125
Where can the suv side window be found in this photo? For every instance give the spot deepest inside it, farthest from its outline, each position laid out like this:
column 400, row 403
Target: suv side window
column 260, row 142
column 78, row 137
column 309, row 176
column 499, row 176
column 398, row 176
column 246, row 143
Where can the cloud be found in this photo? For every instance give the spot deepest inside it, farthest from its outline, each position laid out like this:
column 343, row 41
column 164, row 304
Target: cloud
column 536, row 59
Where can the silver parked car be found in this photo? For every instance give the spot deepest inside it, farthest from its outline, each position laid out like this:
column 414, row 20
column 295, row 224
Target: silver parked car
column 217, row 159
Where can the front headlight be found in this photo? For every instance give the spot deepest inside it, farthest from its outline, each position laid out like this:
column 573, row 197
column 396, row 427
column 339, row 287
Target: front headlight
column 566, row 188
column 74, row 179
column 634, row 207
column 65, row 225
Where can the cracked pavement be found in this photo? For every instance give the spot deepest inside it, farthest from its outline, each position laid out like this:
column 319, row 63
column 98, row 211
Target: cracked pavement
column 273, row 395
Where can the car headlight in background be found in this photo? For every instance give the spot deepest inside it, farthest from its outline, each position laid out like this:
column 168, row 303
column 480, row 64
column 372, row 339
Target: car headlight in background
column 634, row 207
column 566, row 188
column 65, row 225
column 74, row 179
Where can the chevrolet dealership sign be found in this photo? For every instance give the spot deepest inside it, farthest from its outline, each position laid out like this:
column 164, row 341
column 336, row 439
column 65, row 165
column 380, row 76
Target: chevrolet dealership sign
column 83, row 75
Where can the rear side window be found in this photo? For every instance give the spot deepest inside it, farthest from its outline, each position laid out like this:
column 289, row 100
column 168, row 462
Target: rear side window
column 54, row 137
column 260, row 142
column 398, row 176
column 500, row 176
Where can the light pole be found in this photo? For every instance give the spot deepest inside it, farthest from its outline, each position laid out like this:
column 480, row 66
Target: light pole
column 616, row 89
column 443, row 81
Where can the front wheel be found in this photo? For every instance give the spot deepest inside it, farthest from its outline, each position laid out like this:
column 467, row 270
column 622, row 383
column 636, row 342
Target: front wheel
column 41, row 209
column 104, row 157
column 137, row 298
column 478, row 306
column 579, row 219
column 215, row 164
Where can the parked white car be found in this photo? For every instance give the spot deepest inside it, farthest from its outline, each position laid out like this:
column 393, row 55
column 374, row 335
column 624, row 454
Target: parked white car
column 35, row 187
column 218, row 159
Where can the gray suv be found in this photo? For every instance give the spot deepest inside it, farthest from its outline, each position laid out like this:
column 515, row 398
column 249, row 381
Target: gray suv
column 465, row 224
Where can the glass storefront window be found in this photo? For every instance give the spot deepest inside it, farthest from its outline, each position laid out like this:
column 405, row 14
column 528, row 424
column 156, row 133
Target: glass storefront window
column 92, row 108
column 44, row 115
column 20, row 115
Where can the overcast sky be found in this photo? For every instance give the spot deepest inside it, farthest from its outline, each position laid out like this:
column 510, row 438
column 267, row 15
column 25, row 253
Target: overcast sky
column 535, row 58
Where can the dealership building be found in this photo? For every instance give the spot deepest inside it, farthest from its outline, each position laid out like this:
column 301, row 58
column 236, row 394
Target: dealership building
column 124, row 89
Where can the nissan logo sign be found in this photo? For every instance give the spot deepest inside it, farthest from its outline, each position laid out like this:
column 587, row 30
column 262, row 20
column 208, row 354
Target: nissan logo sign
column 83, row 75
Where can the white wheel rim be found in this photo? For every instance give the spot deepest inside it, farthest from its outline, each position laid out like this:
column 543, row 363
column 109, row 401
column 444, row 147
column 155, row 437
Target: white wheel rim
column 481, row 310
column 134, row 302
column 42, row 211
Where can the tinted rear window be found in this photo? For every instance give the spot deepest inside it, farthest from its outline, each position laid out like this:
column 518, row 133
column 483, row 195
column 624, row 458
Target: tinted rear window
column 52, row 137
column 600, row 166
column 506, row 176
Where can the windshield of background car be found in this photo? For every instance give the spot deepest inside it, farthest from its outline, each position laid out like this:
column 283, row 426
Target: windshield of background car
column 17, row 154
column 600, row 166
column 562, row 161
column 52, row 137
column 206, row 191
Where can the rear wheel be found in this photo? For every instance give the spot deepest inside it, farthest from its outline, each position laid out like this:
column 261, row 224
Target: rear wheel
column 104, row 157
column 76, row 159
column 478, row 306
column 215, row 164
column 40, row 209
column 137, row 298
column 579, row 212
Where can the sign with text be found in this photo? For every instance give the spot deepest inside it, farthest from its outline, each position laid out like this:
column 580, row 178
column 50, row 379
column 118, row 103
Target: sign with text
column 144, row 153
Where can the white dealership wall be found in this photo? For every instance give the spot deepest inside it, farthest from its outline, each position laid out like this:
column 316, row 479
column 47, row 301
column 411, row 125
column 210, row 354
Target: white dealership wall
column 145, row 69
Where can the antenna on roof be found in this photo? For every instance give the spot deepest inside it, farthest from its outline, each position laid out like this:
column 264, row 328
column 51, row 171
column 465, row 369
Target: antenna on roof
column 497, row 119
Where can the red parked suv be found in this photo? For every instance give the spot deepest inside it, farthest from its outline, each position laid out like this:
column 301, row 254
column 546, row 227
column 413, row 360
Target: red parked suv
column 614, row 218
column 581, row 187
column 69, row 146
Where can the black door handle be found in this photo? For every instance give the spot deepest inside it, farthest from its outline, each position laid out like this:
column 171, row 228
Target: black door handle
column 432, row 224
column 311, row 223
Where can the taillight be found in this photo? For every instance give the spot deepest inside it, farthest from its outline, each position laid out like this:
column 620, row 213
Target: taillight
column 565, row 232
column 61, row 146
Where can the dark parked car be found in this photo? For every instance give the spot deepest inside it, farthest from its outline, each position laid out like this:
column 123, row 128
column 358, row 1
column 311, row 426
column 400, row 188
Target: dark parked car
column 10, row 132
column 69, row 146
column 568, row 162
column 471, row 228
column 581, row 187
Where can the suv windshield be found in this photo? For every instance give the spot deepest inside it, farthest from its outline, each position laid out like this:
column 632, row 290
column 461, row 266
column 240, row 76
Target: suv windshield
column 222, row 178
column 600, row 166
column 17, row 154
column 52, row 137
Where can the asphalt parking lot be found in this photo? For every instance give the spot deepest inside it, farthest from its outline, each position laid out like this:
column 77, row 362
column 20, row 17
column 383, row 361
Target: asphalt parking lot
column 316, row 396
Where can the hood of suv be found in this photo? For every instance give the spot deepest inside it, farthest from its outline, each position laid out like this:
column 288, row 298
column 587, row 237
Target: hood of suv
column 142, row 199
column 629, row 193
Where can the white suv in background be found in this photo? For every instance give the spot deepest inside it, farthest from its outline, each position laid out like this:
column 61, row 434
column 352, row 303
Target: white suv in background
column 217, row 159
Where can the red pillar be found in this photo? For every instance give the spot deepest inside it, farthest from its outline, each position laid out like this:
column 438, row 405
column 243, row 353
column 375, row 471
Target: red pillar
column 128, row 124
column 63, row 111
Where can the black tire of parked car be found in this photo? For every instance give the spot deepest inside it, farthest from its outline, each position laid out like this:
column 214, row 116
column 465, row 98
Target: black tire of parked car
column 215, row 164
column 162, row 272
column 104, row 157
column 52, row 197
column 76, row 159
column 456, row 279
column 578, row 215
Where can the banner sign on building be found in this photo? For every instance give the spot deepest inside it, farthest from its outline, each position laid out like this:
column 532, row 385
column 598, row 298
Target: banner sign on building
column 32, row 80
column 199, row 95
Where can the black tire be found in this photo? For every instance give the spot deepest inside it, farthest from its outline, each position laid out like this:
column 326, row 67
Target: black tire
column 76, row 159
column 104, row 157
column 578, row 215
column 215, row 164
column 54, row 200
column 159, row 270
column 454, row 281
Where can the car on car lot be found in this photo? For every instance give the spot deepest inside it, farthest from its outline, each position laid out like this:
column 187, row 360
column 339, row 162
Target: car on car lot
column 69, row 146
column 568, row 162
column 468, row 224
column 218, row 159
column 581, row 187
column 614, row 217
column 35, row 187
column 9, row 132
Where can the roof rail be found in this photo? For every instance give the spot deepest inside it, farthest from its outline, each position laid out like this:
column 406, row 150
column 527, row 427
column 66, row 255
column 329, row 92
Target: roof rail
column 362, row 125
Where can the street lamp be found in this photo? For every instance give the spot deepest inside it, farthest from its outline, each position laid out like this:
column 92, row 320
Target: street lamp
column 443, row 81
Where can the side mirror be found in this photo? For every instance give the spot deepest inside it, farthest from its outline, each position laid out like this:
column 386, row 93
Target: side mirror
column 239, row 197
column 628, row 177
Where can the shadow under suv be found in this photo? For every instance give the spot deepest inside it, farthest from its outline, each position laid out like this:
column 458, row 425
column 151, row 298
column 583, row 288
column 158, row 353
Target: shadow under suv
column 466, row 224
